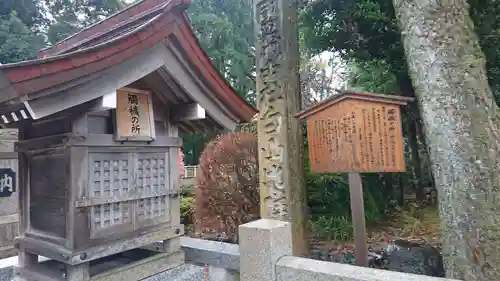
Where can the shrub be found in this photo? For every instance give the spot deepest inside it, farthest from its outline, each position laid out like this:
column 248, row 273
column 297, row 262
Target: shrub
column 227, row 186
column 187, row 209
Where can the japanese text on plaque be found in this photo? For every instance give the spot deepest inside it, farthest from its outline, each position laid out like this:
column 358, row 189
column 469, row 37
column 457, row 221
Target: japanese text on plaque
column 363, row 138
column 133, row 109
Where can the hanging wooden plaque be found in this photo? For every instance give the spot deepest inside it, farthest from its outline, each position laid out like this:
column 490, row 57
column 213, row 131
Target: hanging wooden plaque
column 134, row 115
column 356, row 132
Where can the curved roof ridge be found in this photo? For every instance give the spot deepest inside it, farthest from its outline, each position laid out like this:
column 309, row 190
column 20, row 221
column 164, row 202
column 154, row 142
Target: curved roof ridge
column 80, row 51
column 121, row 44
column 129, row 14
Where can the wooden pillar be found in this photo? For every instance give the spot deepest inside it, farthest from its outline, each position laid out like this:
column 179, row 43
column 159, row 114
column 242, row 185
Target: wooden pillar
column 281, row 167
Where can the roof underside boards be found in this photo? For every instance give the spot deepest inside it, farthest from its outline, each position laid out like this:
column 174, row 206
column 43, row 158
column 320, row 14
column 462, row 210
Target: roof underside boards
column 155, row 47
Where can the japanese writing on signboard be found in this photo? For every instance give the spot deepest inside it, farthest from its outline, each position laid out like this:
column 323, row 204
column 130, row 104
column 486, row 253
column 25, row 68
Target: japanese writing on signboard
column 134, row 115
column 133, row 109
column 7, row 182
column 356, row 136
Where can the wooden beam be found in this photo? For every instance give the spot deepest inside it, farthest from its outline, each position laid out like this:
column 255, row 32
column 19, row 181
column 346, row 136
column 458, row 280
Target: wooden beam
column 161, row 82
column 178, row 68
column 114, row 78
column 187, row 112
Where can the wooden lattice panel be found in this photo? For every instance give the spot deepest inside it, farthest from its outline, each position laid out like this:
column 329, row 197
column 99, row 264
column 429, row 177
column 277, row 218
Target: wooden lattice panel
column 136, row 187
column 151, row 207
column 152, row 183
column 111, row 177
column 108, row 215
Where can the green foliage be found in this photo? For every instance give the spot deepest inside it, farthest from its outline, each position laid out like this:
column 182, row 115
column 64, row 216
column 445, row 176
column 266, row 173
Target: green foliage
column 361, row 29
column 338, row 228
column 367, row 31
column 371, row 76
column 70, row 16
column 225, row 31
column 30, row 12
column 187, row 209
column 193, row 145
column 17, row 41
column 484, row 14
column 329, row 202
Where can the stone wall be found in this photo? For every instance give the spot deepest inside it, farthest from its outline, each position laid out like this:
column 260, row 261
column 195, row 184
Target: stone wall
column 299, row 269
column 265, row 255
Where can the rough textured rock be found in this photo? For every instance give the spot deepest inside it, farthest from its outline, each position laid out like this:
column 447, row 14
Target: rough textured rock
column 400, row 255
column 412, row 257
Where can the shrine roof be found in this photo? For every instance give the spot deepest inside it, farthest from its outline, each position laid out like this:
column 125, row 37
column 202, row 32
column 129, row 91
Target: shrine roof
column 349, row 94
column 120, row 37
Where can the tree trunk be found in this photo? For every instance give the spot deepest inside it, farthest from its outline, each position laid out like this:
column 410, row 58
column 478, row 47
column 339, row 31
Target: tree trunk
column 421, row 138
column 415, row 155
column 462, row 128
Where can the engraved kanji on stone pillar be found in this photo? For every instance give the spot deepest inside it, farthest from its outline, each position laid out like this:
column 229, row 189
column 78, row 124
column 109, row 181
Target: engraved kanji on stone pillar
column 281, row 164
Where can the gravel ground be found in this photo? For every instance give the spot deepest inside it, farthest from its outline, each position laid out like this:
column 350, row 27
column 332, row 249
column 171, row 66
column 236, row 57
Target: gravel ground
column 6, row 274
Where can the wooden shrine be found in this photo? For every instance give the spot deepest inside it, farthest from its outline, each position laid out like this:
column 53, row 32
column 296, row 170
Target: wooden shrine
column 100, row 117
column 86, row 196
column 356, row 132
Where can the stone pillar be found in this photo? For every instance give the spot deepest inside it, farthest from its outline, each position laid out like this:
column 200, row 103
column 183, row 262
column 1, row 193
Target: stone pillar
column 281, row 167
column 262, row 244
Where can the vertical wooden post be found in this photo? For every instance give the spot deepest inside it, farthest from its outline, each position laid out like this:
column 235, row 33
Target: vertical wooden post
column 358, row 218
column 281, row 167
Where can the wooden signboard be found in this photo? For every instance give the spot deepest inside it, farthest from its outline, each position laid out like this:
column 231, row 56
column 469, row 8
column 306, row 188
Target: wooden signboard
column 356, row 133
column 134, row 115
column 356, row 136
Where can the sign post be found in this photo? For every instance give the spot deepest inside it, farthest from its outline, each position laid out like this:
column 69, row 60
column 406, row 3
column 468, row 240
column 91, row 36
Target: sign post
column 356, row 133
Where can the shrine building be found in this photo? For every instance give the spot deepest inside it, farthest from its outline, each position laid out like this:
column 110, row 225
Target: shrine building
column 100, row 117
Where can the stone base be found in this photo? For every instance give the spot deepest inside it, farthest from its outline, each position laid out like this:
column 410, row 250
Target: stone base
column 222, row 274
column 128, row 266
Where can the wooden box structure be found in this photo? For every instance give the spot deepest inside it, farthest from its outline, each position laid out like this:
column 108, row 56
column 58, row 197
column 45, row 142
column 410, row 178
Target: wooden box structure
column 85, row 195
column 356, row 132
column 98, row 180
column 86, row 191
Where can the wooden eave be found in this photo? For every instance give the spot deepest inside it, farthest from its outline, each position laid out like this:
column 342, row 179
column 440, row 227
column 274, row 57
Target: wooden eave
column 348, row 94
column 122, row 37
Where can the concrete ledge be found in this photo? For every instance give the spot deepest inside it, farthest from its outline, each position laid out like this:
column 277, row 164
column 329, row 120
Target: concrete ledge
column 217, row 254
column 300, row 269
